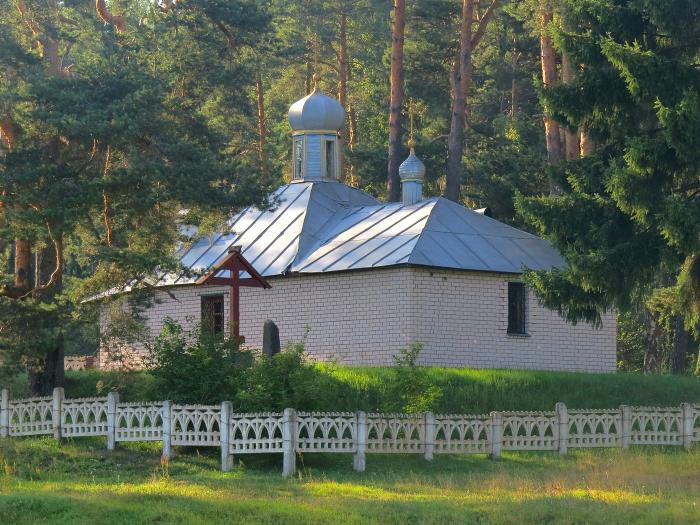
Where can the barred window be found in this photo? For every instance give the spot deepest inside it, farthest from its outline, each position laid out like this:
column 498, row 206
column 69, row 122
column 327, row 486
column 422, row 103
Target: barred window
column 213, row 313
column 517, row 295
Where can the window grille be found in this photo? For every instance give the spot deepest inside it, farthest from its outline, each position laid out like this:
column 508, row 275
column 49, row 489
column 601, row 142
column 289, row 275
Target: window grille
column 213, row 313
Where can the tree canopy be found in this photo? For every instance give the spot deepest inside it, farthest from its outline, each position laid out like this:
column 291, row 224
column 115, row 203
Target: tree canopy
column 121, row 121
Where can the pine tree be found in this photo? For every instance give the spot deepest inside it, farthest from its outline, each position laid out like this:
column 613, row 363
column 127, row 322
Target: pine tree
column 111, row 128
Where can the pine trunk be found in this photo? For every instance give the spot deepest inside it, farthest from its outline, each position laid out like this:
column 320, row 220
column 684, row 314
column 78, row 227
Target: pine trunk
column 49, row 372
column 681, row 340
column 23, row 263
column 654, row 335
column 343, row 87
column 461, row 81
column 309, row 74
column 396, row 100
column 262, row 129
column 570, row 137
column 587, row 144
column 549, row 77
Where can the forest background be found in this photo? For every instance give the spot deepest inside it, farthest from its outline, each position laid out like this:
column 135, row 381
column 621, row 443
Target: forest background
column 578, row 120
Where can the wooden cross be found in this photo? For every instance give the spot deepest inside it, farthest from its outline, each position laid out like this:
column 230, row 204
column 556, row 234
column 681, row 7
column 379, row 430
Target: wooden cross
column 235, row 263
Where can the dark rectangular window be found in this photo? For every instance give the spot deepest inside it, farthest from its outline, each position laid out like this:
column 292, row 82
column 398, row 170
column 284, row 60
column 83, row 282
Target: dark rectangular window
column 298, row 158
column 516, row 308
column 213, row 313
column 330, row 159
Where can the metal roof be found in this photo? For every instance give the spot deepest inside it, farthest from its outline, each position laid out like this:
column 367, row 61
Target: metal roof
column 328, row 226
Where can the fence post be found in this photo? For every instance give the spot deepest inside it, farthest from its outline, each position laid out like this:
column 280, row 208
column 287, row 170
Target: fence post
column 626, row 426
column 167, row 430
column 112, row 401
column 429, row 429
column 687, row 414
column 57, row 411
column 225, row 436
column 289, row 433
column 359, row 458
column 563, row 427
column 496, row 434
column 4, row 413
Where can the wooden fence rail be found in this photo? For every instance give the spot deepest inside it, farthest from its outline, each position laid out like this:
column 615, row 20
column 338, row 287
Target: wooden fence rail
column 357, row 433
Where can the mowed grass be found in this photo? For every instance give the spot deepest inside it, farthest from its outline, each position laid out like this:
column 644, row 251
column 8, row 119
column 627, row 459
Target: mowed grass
column 78, row 481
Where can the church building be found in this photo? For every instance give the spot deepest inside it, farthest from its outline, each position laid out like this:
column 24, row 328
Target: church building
column 357, row 279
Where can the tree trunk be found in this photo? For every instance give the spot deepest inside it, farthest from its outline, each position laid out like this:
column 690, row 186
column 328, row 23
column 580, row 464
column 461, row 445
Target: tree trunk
column 549, row 77
column 343, row 70
column 23, row 263
column 49, row 372
column 308, row 81
column 461, row 80
column 587, row 144
column 652, row 355
column 262, row 129
column 570, row 137
column 398, row 26
column 681, row 339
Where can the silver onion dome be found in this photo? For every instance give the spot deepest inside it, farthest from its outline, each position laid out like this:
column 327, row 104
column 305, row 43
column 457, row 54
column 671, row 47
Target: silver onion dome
column 412, row 168
column 316, row 112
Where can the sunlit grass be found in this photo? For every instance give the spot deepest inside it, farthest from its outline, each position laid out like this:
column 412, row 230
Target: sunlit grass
column 463, row 390
column 78, row 481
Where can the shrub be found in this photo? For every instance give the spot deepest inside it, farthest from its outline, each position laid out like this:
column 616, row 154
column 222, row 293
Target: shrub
column 412, row 391
column 196, row 366
column 283, row 380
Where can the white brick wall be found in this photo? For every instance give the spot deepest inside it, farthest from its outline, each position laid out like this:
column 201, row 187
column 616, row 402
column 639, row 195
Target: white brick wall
column 365, row 317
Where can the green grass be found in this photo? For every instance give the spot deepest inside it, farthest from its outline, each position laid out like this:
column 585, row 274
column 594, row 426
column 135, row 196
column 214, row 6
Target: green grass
column 79, row 482
column 463, row 390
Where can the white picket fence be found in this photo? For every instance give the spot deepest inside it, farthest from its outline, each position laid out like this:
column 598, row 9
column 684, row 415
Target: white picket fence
column 358, row 433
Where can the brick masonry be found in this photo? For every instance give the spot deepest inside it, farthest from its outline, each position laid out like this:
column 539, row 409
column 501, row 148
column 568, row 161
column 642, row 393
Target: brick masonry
column 365, row 317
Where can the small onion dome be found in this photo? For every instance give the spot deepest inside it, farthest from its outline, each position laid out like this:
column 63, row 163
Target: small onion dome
column 316, row 112
column 412, row 168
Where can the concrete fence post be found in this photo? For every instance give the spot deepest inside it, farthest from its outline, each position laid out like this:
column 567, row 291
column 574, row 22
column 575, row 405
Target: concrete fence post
column 563, row 427
column 225, row 436
column 496, row 434
column 626, row 417
column 57, row 411
column 4, row 413
column 359, row 458
column 289, row 438
column 112, row 402
column 429, row 429
column 687, row 415
column 167, row 417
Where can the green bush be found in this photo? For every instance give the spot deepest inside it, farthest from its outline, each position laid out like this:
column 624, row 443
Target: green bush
column 196, row 366
column 288, row 379
column 412, row 391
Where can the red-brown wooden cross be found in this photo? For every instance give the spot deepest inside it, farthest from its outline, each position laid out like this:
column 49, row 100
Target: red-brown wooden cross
column 234, row 262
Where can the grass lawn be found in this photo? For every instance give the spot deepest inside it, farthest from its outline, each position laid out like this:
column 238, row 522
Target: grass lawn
column 463, row 390
column 80, row 482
